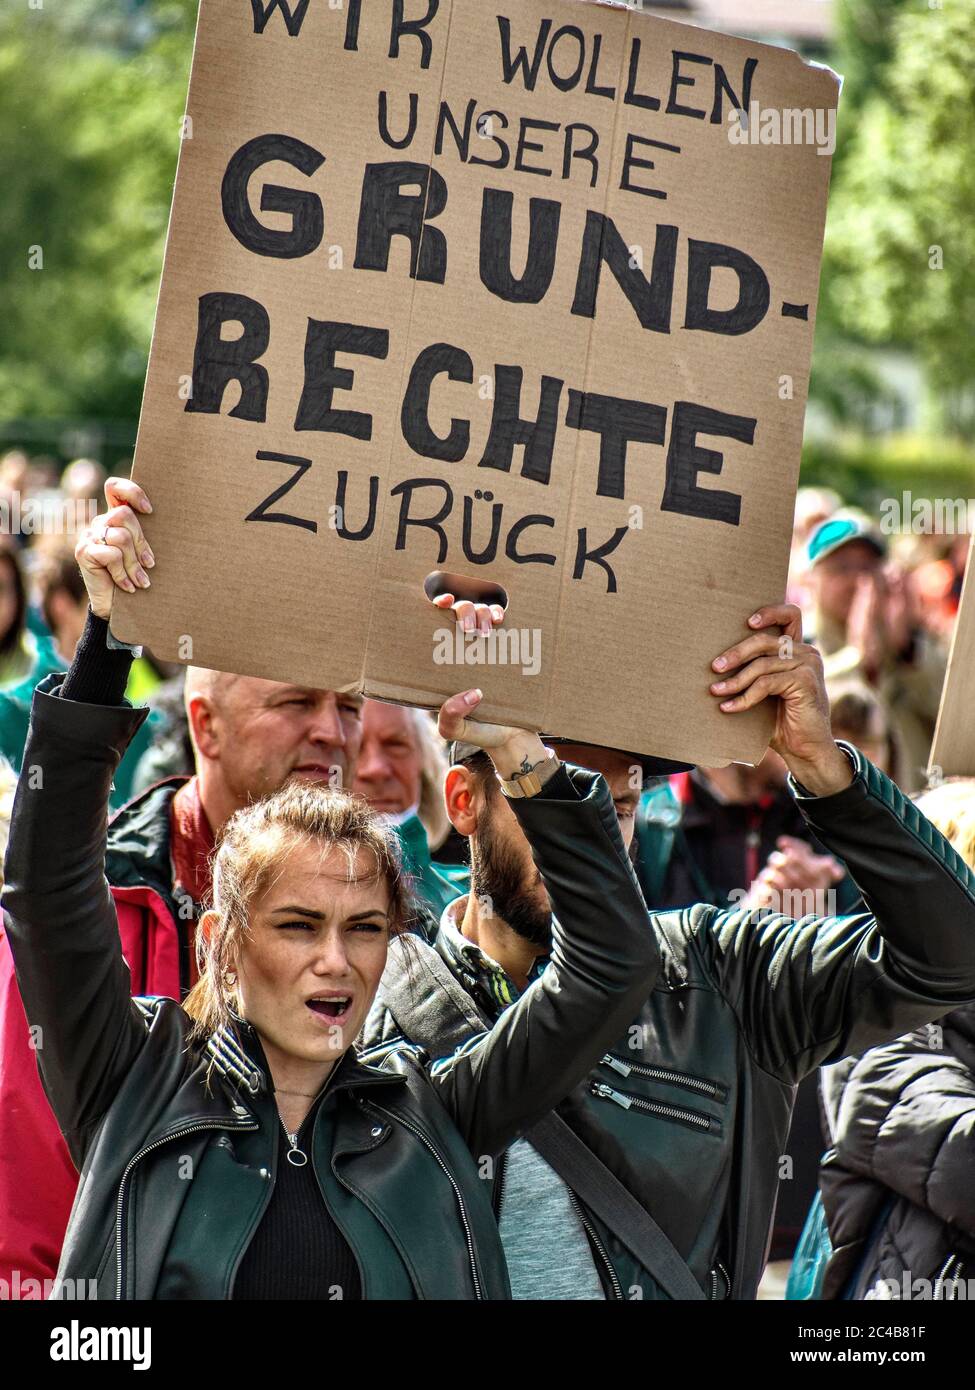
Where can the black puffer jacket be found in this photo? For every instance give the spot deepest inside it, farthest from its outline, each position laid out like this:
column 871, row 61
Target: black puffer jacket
column 899, row 1183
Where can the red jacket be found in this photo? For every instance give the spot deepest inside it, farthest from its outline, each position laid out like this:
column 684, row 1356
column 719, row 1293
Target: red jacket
column 37, row 1178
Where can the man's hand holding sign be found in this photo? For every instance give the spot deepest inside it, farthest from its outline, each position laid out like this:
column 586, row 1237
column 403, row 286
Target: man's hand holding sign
column 775, row 663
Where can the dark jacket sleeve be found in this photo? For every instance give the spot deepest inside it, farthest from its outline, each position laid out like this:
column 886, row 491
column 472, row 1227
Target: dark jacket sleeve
column 58, row 909
column 603, row 965
column 814, row 990
column 907, row 1120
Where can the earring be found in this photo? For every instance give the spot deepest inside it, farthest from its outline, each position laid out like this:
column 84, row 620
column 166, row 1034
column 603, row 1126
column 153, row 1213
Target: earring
column 229, row 978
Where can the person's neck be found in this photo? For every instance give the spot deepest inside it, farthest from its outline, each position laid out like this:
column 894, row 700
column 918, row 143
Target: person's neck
column 297, row 1083
column 496, row 939
column 218, row 802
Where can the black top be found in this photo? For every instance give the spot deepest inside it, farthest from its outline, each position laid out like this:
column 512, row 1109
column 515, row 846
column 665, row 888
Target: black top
column 297, row 1251
column 98, row 674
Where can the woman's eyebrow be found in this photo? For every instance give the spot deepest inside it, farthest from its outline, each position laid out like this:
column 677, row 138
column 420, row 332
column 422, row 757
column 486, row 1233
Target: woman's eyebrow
column 370, row 912
column 302, row 912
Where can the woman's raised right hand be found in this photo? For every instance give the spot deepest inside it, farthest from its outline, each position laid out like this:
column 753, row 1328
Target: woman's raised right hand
column 112, row 551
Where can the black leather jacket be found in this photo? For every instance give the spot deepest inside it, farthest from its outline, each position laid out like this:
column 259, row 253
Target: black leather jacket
column 690, row 1105
column 394, row 1147
column 898, row 1183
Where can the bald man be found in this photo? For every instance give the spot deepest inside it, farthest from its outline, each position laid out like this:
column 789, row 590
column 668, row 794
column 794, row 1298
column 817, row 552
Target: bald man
column 249, row 737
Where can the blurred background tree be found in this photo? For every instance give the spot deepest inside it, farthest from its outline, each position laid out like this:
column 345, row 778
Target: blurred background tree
column 865, row 47
column 91, row 100
column 898, row 269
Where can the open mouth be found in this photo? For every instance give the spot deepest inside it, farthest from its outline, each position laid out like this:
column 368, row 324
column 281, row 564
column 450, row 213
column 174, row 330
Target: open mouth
column 334, row 1008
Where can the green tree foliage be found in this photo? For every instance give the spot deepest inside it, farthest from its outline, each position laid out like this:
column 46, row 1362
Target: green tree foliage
column 90, row 113
column 865, row 46
column 899, row 265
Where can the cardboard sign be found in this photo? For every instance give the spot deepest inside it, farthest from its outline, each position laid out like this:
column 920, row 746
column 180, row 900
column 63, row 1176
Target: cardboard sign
column 953, row 746
column 505, row 292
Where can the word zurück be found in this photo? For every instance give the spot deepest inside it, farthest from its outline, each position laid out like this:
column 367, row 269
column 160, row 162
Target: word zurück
column 77, row 1343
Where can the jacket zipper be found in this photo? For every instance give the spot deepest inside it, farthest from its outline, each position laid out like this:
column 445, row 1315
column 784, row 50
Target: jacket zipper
column 499, row 1189
column 714, row 1089
column 587, row 1227
column 577, row 1207
column 399, row 1119
column 939, row 1283
column 719, row 1268
column 694, row 1118
column 156, row 1144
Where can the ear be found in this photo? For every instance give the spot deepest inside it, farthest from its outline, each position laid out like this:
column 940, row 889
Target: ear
column 202, row 720
column 462, row 798
column 207, row 923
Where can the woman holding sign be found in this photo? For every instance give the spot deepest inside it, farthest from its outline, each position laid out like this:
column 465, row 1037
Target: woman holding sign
column 236, row 1147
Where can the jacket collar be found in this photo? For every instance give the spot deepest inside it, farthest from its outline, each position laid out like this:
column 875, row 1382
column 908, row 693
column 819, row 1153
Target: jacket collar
column 488, row 983
column 231, row 1061
column 191, row 842
column 233, row 1050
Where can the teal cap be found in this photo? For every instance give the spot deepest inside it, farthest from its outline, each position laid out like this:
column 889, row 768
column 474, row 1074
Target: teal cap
column 841, row 529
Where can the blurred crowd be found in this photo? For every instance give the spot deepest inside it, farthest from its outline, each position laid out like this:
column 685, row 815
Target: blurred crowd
column 881, row 608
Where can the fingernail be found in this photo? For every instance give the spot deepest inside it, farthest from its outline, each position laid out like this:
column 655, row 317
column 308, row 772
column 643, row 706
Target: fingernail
column 128, row 586
column 719, row 663
column 719, row 685
column 148, row 559
column 728, row 704
column 467, row 624
column 472, row 697
column 755, row 618
column 143, row 578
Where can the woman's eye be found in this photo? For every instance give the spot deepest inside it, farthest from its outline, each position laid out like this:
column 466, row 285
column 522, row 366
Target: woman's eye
column 296, row 926
column 366, row 926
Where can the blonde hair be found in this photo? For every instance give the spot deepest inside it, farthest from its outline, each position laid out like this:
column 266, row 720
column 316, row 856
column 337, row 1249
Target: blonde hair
column 951, row 809
column 253, row 850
